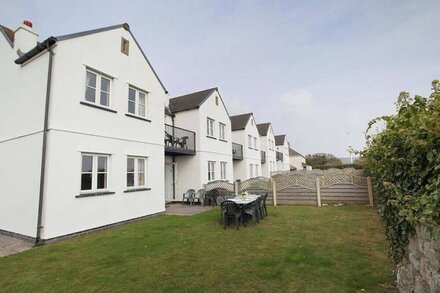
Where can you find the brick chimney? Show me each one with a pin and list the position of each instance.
(25, 38)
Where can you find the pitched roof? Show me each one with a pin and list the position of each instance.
(190, 101)
(292, 153)
(8, 33)
(263, 128)
(239, 122)
(279, 139)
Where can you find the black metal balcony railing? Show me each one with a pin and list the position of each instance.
(179, 141)
(237, 151)
(263, 157)
(279, 156)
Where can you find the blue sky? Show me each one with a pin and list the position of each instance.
(316, 69)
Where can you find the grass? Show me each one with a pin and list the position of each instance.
(294, 249)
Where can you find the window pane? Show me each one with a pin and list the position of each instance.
(86, 181)
(87, 164)
(130, 179)
(141, 179)
(91, 79)
(141, 104)
(90, 94)
(131, 95)
(102, 164)
(141, 110)
(130, 165)
(102, 181)
(105, 85)
(104, 99)
(141, 165)
(131, 107)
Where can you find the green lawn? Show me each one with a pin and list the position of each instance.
(294, 249)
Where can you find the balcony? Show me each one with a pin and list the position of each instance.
(237, 151)
(179, 141)
(279, 156)
(263, 157)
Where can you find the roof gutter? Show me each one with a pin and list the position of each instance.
(40, 47)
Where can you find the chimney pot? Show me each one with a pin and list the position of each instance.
(27, 23)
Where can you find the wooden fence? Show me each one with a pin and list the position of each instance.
(314, 187)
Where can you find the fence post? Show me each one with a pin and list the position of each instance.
(370, 191)
(274, 193)
(237, 187)
(318, 190)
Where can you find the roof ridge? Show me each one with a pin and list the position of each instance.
(209, 89)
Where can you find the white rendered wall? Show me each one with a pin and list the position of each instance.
(270, 164)
(251, 155)
(22, 99)
(192, 171)
(285, 164)
(77, 128)
(297, 162)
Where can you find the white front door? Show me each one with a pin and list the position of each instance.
(169, 182)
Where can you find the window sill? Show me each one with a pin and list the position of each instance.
(97, 106)
(94, 194)
(222, 140)
(211, 137)
(137, 117)
(137, 189)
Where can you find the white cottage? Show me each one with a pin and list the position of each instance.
(282, 148)
(246, 138)
(81, 132)
(267, 141)
(198, 142)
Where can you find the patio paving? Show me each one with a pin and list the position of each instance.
(10, 245)
(181, 209)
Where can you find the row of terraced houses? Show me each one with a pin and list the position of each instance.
(89, 136)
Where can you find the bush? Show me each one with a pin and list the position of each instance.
(404, 163)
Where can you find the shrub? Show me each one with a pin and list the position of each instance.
(404, 163)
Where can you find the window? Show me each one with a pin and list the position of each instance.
(137, 102)
(136, 172)
(97, 89)
(249, 141)
(252, 122)
(223, 170)
(255, 143)
(257, 170)
(211, 170)
(251, 170)
(210, 127)
(125, 46)
(94, 172)
(221, 130)
(216, 101)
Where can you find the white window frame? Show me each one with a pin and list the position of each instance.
(249, 141)
(137, 104)
(94, 173)
(97, 89)
(221, 131)
(211, 170)
(137, 172)
(223, 170)
(210, 127)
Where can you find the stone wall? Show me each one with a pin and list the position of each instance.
(420, 272)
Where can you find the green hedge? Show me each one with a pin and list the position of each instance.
(404, 162)
(343, 166)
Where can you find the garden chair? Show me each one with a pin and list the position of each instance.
(182, 142)
(264, 203)
(212, 196)
(231, 211)
(253, 210)
(200, 196)
(189, 196)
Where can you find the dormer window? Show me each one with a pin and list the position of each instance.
(125, 46)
